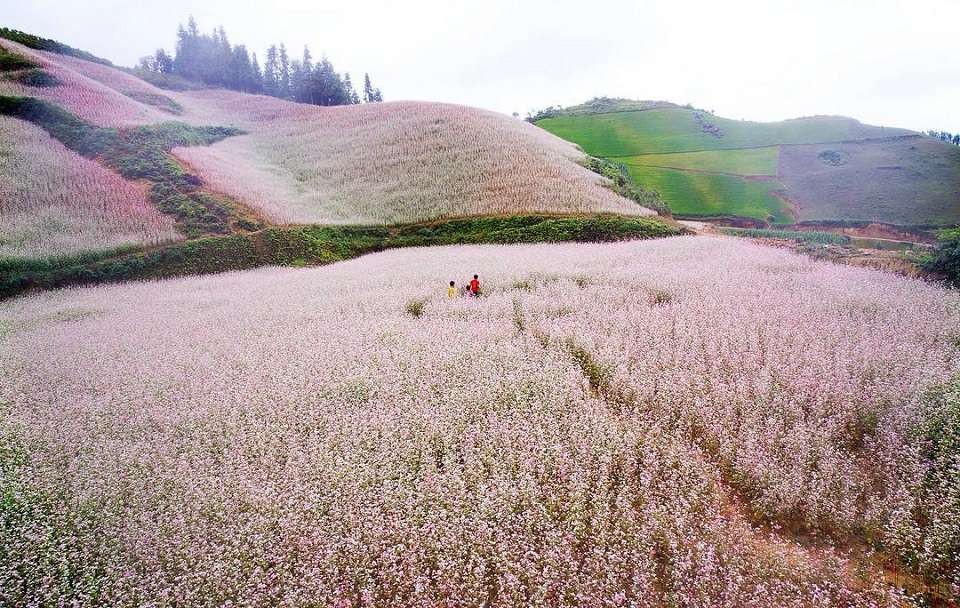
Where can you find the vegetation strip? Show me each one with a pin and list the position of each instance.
(144, 153)
(315, 245)
(801, 236)
(621, 183)
(46, 44)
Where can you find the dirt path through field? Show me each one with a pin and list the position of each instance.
(861, 565)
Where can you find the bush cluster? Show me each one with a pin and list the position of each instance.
(622, 184)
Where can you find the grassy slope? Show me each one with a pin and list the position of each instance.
(224, 237)
(886, 177)
(676, 130)
(749, 161)
(141, 153)
(696, 194)
(876, 180)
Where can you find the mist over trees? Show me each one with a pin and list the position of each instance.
(212, 60)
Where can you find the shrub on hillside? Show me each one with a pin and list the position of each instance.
(622, 184)
(946, 258)
(36, 78)
(10, 62)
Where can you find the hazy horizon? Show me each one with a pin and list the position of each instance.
(885, 63)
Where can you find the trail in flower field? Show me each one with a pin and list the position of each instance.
(296, 436)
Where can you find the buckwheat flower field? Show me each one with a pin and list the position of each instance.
(377, 163)
(390, 162)
(634, 424)
(82, 92)
(54, 202)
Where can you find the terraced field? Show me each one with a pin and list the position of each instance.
(808, 169)
(696, 193)
(748, 161)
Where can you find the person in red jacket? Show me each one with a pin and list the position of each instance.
(475, 286)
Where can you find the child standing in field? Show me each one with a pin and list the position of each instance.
(475, 286)
(452, 290)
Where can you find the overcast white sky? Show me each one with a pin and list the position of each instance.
(886, 62)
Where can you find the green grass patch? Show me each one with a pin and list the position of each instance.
(46, 44)
(35, 77)
(800, 236)
(144, 153)
(662, 130)
(883, 244)
(161, 102)
(315, 245)
(10, 62)
(748, 161)
(713, 195)
(168, 82)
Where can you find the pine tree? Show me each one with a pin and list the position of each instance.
(301, 78)
(185, 62)
(307, 62)
(163, 62)
(350, 90)
(299, 82)
(256, 75)
(283, 78)
(271, 84)
(210, 58)
(368, 91)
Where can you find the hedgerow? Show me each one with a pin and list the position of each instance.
(300, 245)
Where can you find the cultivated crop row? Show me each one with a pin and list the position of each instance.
(636, 424)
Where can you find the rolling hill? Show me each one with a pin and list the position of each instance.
(814, 169)
(175, 165)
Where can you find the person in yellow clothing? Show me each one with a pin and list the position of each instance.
(452, 290)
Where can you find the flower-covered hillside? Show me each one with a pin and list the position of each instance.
(54, 202)
(377, 163)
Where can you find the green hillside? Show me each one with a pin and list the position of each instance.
(696, 194)
(663, 130)
(820, 168)
(748, 161)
